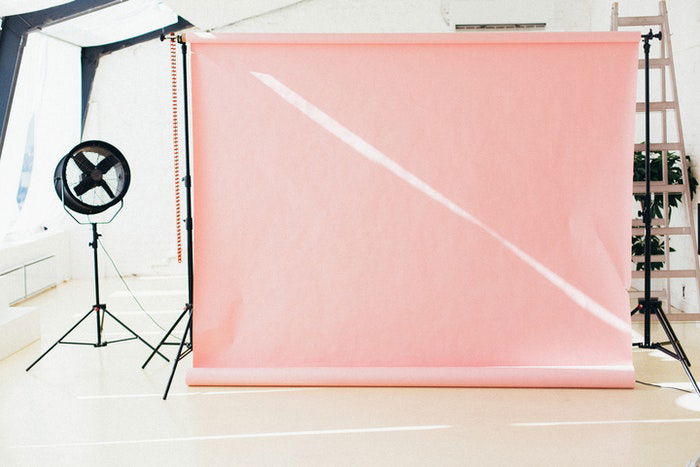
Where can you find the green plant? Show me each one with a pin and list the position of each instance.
(675, 177)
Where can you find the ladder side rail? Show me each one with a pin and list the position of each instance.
(664, 158)
(682, 154)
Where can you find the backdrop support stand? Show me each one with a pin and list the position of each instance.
(185, 344)
(651, 305)
(100, 310)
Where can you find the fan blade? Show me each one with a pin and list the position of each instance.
(106, 164)
(106, 188)
(84, 186)
(83, 163)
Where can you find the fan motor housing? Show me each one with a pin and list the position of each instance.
(92, 177)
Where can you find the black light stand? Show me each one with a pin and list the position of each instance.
(185, 344)
(100, 310)
(651, 305)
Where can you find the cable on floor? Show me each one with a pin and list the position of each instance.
(662, 387)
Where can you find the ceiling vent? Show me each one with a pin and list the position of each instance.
(501, 27)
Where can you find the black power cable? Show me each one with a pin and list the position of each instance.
(663, 387)
(133, 296)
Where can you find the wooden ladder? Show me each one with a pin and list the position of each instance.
(668, 104)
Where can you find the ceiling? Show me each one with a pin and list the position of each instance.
(115, 23)
(212, 14)
(131, 18)
(17, 7)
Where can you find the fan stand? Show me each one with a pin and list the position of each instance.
(100, 309)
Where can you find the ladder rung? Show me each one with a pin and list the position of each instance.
(654, 258)
(663, 231)
(659, 147)
(639, 188)
(640, 293)
(666, 274)
(654, 222)
(656, 106)
(640, 20)
(656, 63)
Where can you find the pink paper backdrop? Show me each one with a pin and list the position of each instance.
(443, 210)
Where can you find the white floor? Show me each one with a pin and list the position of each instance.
(86, 406)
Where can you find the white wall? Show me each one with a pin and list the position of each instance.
(130, 108)
(684, 18)
(359, 16)
(558, 15)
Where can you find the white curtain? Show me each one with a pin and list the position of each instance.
(44, 124)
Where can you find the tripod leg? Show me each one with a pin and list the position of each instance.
(177, 358)
(635, 310)
(682, 358)
(189, 307)
(165, 337)
(59, 340)
(133, 333)
(666, 325)
(100, 324)
(99, 327)
(691, 378)
(683, 362)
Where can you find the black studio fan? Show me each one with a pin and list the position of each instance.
(92, 177)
